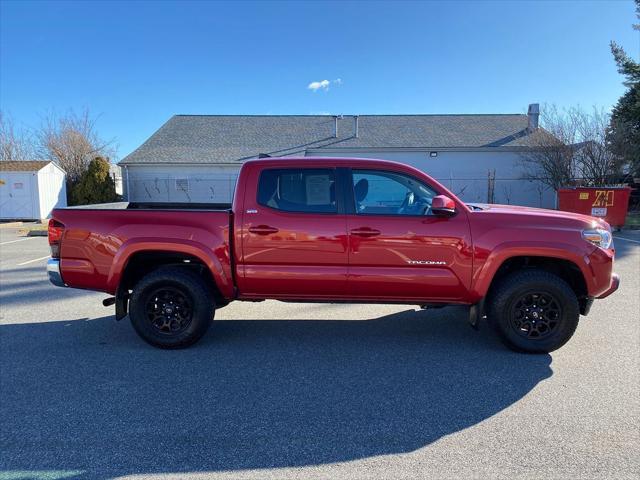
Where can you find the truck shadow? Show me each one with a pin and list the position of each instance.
(87, 396)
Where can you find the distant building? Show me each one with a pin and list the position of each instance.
(196, 158)
(116, 175)
(29, 190)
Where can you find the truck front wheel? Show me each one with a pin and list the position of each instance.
(533, 311)
(171, 307)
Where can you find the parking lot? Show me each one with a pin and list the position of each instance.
(281, 390)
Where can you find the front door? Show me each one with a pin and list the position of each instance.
(294, 236)
(398, 249)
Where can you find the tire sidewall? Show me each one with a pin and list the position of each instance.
(513, 289)
(192, 287)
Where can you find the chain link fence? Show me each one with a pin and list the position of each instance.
(214, 188)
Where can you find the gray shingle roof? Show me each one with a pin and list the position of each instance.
(233, 138)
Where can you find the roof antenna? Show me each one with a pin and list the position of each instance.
(264, 155)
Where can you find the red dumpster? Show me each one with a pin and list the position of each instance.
(610, 203)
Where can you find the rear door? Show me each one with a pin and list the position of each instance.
(294, 239)
(398, 249)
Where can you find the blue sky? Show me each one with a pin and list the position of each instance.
(137, 63)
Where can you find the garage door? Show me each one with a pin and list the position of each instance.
(16, 199)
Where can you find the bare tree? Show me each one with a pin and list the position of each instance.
(14, 144)
(72, 142)
(549, 159)
(570, 149)
(595, 162)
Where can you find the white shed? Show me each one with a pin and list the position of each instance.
(30, 190)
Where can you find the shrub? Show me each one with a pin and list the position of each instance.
(95, 185)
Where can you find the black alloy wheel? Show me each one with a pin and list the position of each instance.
(533, 310)
(172, 307)
(170, 310)
(535, 315)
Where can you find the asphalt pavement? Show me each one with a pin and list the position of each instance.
(282, 391)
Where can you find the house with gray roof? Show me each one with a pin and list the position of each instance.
(196, 158)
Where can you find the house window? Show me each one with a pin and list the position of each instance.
(182, 184)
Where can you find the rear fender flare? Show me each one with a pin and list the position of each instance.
(223, 280)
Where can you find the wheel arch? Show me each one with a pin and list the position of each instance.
(564, 260)
(134, 261)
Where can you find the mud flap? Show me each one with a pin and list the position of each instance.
(476, 312)
(122, 303)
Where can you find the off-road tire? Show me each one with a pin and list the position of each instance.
(191, 295)
(507, 297)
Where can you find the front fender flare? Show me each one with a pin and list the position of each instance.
(483, 276)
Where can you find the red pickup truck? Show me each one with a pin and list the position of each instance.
(336, 230)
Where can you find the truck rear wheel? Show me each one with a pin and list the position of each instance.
(171, 307)
(533, 311)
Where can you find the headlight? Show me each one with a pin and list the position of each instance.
(598, 236)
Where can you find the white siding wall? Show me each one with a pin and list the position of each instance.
(116, 174)
(180, 183)
(466, 174)
(52, 190)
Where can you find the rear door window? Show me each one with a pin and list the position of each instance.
(303, 190)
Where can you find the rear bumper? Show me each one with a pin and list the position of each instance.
(613, 286)
(53, 270)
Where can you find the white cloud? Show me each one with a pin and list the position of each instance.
(323, 84)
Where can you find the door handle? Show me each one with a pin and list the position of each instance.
(365, 232)
(263, 230)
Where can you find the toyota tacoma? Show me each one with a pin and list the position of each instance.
(336, 230)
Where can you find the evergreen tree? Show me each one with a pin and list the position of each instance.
(624, 131)
(95, 185)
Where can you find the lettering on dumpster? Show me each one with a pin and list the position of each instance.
(604, 198)
(584, 195)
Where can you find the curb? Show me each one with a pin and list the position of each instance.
(37, 233)
(11, 224)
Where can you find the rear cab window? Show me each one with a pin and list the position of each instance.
(302, 190)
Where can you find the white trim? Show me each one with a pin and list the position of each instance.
(418, 149)
(185, 164)
(58, 167)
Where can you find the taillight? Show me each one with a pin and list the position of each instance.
(55, 231)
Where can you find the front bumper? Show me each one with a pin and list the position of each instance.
(613, 286)
(53, 270)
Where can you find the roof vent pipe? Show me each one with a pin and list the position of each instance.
(355, 126)
(534, 116)
(335, 126)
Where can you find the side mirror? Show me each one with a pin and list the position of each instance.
(443, 206)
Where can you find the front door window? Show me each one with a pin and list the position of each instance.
(379, 192)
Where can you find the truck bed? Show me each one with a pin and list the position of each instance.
(99, 241)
